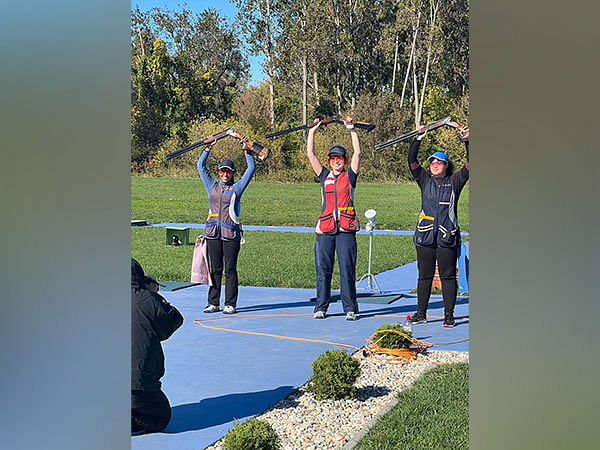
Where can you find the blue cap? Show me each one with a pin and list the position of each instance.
(337, 150)
(440, 156)
(227, 164)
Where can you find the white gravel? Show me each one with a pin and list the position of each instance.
(302, 422)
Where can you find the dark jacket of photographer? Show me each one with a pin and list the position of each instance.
(153, 320)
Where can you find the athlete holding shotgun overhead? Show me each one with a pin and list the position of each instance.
(338, 223)
(437, 236)
(223, 230)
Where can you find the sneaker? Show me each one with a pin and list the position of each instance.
(418, 318)
(350, 315)
(319, 315)
(210, 309)
(448, 320)
(229, 309)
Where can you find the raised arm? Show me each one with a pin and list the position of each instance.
(243, 182)
(310, 148)
(464, 172)
(355, 163)
(413, 163)
(203, 171)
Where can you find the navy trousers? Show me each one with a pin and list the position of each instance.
(326, 246)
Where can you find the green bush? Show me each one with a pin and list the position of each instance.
(334, 375)
(391, 339)
(254, 434)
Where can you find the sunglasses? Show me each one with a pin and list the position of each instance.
(437, 161)
(336, 158)
(225, 171)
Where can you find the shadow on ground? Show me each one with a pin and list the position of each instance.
(218, 410)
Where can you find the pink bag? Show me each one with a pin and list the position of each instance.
(200, 273)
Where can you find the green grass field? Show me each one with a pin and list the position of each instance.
(272, 258)
(185, 200)
(267, 258)
(432, 414)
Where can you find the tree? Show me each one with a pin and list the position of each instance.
(259, 23)
(195, 70)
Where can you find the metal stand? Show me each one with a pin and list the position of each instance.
(369, 276)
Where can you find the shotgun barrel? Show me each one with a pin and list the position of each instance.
(206, 141)
(432, 126)
(360, 125)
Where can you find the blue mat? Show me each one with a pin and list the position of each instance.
(213, 376)
(286, 229)
(369, 297)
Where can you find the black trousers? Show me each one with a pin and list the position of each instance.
(446, 258)
(150, 411)
(220, 251)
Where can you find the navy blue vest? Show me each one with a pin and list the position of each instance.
(222, 221)
(438, 224)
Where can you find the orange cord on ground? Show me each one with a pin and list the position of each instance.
(399, 356)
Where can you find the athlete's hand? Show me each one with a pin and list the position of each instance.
(314, 125)
(348, 123)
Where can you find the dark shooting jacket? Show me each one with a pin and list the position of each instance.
(438, 223)
(153, 320)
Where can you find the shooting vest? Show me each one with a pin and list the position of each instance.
(337, 213)
(222, 221)
(437, 225)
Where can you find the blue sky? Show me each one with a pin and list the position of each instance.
(227, 8)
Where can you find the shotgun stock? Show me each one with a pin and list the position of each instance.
(361, 125)
(254, 148)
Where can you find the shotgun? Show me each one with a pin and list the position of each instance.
(253, 148)
(432, 126)
(337, 119)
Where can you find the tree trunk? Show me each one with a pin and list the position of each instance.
(434, 9)
(412, 56)
(266, 18)
(304, 93)
(316, 82)
(338, 74)
(395, 63)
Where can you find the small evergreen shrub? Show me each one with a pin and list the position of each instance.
(254, 434)
(334, 375)
(392, 340)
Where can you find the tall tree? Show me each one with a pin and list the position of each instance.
(259, 22)
(206, 72)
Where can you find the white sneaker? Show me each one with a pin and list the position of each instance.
(350, 315)
(229, 309)
(210, 309)
(319, 315)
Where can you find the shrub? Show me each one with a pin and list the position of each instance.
(391, 339)
(254, 434)
(334, 375)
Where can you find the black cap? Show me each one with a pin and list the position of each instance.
(337, 150)
(227, 164)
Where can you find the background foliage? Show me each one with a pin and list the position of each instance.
(398, 64)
